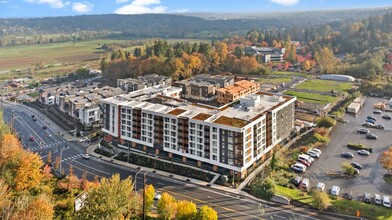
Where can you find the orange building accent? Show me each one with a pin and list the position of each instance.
(239, 89)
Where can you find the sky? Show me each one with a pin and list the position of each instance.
(46, 8)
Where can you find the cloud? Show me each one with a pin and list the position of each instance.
(183, 10)
(142, 7)
(51, 3)
(285, 2)
(82, 7)
(121, 1)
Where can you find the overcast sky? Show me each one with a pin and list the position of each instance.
(44, 8)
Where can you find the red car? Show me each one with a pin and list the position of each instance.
(304, 162)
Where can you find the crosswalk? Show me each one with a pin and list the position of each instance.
(71, 158)
(41, 147)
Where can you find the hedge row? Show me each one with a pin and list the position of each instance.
(103, 152)
(360, 147)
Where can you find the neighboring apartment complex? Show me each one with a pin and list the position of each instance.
(230, 138)
(143, 82)
(235, 92)
(273, 54)
(203, 87)
(81, 103)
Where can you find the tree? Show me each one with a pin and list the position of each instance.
(56, 163)
(28, 172)
(49, 158)
(167, 206)
(186, 210)
(326, 60)
(386, 159)
(113, 199)
(321, 200)
(306, 65)
(238, 52)
(149, 199)
(325, 122)
(264, 189)
(206, 213)
(348, 169)
(38, 208)
(9, 148)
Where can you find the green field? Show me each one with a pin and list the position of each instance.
(312, 97)
(275, 81)
(291, 74)
(324, 85)
(294, 194)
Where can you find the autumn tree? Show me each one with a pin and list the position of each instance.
(186, 210)
(326, 60)
(167, 206)
(149, 198)
(56, 164)
(9, 148)
(321, 200)
(206, 213)
(28, 172)
(348, 169)
(37, 208)
(386, 159)
(113, 199)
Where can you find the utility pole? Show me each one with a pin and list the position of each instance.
(144, 196)
(135, 181)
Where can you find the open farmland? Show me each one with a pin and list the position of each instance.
(312, 97)
(324, 85)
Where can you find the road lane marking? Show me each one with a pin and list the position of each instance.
(76, 167)
(159, 183)
(212, 204)
(109, 174)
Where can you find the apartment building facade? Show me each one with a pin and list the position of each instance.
(230, 138)
(269, 53)
(235, 92)
(142, 82)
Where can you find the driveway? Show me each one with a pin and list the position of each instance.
(371, 176)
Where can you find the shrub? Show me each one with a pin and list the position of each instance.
(303, 149)
(321, 200)
(263, 189)
(325, 122)
(103, 152)
(322, 131)
(348, 169)
(319, 138)
(359, 147)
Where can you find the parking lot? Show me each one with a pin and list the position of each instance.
(370, 178)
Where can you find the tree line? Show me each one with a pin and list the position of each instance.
(30, 190)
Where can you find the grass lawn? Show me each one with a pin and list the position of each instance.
(290, 74)
(294, 194)
(275, 81)
(370, 211)
(388, 178)
(324, 85)
(312, 97)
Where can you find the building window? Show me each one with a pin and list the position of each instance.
(214, 129)
(214, 157)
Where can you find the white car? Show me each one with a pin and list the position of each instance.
(86, 156)
(157, 196)
(335, 190)
(299, 167)
(377, 199)
(305, 183)
(386, 201)
(363, 152)
(305, 157)
(376, 111)
(320, 186)
(316, 150)
(313, 154)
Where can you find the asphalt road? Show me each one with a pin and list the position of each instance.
(371, 176)
(228, 206)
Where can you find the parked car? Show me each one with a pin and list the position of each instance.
(298, 167)
(335, 190)
(305, 157)
(347, 155)
(304, 162)
(363, 152)
(45, 127)
(320, 186)
(356, 172)
(377, 111)
(362, 130)
(371, 136)
(367, 198)
(34, 119)
(368, 125)
(371, 121)
(371, 117)
(388, 117)
(157, 196)
(377, 199)
(305, 183)
(317, 150)
(313, 154)
(297, 180)
(356, 165)
(386, 201)
(31, 138)
(379, 126)
(86, 156)
(32, 116)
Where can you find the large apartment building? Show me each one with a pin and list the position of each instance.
(270, 53)
(235, 92)
(142, 82)
(233, 137)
